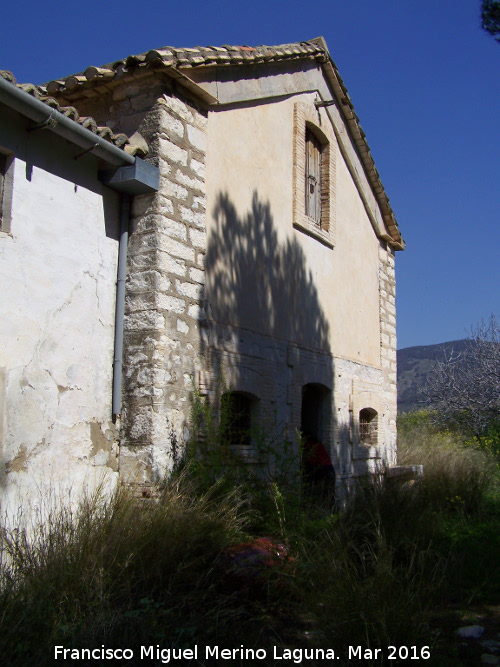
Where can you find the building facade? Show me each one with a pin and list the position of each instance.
(265, 257)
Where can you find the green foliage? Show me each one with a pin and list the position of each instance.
(457, 472)
(127, 572)
(118, 569)
(490, 17)
(267, 469)
(488, 442)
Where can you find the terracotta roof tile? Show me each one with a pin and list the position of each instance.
(198, 56)
(42, 94)
(94, 80)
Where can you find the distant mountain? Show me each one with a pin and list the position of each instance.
(414, 364)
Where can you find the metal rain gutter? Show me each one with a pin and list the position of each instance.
(131, 176)
(44, 116)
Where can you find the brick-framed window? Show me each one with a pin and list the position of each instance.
(314, 173)
(6, 169)
(368, 427)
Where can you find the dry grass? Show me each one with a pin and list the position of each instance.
(127, 572)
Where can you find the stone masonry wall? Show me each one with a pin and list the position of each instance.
(275, 372)
(167, 337)
(164, 294)
(388, 341)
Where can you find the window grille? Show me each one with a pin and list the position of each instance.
(368, 427)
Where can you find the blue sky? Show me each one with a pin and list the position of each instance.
(425, 82)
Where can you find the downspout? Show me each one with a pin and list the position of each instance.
(137, 179)
(120, 305)
(130, 176)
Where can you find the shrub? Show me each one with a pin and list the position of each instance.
(120, 569)
(457, 475)
(372, 573)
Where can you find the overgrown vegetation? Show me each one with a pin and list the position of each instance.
(398, 565)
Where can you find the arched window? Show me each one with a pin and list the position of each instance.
(237, 415)
(368, 427)
(314, 173)
(315, 411)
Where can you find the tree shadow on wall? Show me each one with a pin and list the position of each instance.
(257, 283)
(265, 331)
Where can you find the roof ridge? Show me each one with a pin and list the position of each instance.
(186, 57)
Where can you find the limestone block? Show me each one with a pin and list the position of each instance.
(197, 218)
(182, 327)
(140, 302)
(198, 238)
(190, 290)
(188, 181)
(171, 126)
(165, 262)
(196, 312)
(173, 190)
(147, 280)
(173, 153)
(180, 108)
(197, 275)
(200, 203)
(165, 168)
(144, 320)
(197, 138)
(174, 229)
(198, 168)
(142, 205)
(170, 303)
(166, 206)
(176, 248)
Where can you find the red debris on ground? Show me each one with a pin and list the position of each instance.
(258, 553)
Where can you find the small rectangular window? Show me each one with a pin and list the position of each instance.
(368, 427)
(236, 409)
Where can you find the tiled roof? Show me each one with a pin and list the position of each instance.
(96, 80)
(40, 93)
(170, 57)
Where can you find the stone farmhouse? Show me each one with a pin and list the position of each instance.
(174, 218)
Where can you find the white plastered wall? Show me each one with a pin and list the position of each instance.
(58, 276)
(250, 152)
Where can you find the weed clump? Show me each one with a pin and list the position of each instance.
(170, 570)
(122, 570)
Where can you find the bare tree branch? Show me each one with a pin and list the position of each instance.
(464, 389)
